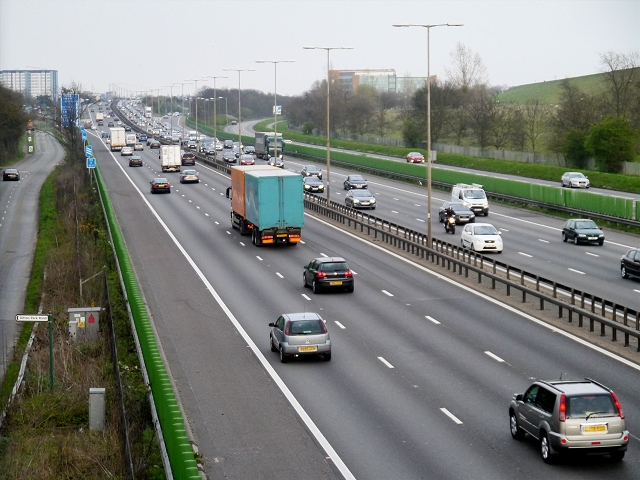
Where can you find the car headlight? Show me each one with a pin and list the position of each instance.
(485, 204)
(581, 235)
(355, 200)
(373, 200)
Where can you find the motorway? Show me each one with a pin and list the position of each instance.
(423, 368)
(18, 234)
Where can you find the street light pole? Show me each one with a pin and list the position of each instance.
(215, 114)
(275, 101)
(226, 112)
(429, 161)
(328, 49)
(239, 104)
(185, 121)
(171, 87)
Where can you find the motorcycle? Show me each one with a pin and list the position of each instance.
(450, 224)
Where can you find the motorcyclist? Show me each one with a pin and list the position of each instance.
(450, 213)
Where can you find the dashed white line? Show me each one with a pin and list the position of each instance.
(228, 232)
(259, 257)
(396, 198)
(525, 254)
(635, 290)
(324, 255)
(340, 325)
(305, 296)
(385, 362)
(576, 271)
(543, 241)
(592, 254)
(420, 220)
(217, 223)
(451, 416)
(431, 319)
(197, 207)
(495, 357)
(387, 293)
(207, 214)
(242, 243)
(279, 274)
(504, 229)
(393, 211)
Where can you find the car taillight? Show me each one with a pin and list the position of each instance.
(617, 404)
(562, 411)
(324, 327)
(348, 273)
(321, 275)
(286, 328)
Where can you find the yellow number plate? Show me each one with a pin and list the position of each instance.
(308, 349)
(335, 283)
(594, 429)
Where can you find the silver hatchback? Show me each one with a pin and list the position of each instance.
(295, 334)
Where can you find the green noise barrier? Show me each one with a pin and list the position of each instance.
(172, 422)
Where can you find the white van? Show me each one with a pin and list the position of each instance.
(471, 195)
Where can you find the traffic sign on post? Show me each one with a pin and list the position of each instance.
(32, 318)
(84, 135)
(91, 162)
(88, 151)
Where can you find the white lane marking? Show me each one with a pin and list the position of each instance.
(495, 357)
(305, 296)
(279, 274)
(259, 257)
(324, 255)
(354, 272)
(217, 223)
(543, 241)
(396, 198)
(207, 214)
(242, 243)
(228, 232)
(393, 211)
(340, 325)
(451, 416)
(431, 319)
(489, 299)
(417, 205)
(190, 201)
(420, 220)
(387, 293)
(525, 254)
(197, 207)
(302, 242)
(576, 271)
(385, 362)
(504, 229)
(636, 290)
(592, 254)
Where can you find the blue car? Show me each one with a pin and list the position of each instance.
(142, 138)
(105, 134)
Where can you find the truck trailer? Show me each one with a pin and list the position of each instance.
(267, 203)
(266, 146)
(170, 158)
(118, 138)
(100, 118)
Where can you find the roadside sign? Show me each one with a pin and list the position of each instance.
(277, 110)
(32, 318)
(88, 151)
(91, 162)
(82, 128)
(84, 135)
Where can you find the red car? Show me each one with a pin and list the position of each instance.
(247, 160)
(415, 157)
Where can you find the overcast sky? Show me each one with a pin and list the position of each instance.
(148, 44)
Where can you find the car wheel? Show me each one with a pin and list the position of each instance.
(564, 237)
(562, 184)
(623, 272)
(327, 358)
(600, 242)
(304, 281)
(516, 433)
(472, 247)
(273, 347)
(616, 456)
(351, 288)
(575, 240)
(315, 287)
(545, 448)
(283, 357)
(462, 244)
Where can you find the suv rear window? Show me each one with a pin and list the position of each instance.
(584, 405)
(306, 327)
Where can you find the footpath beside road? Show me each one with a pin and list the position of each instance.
(18, 235)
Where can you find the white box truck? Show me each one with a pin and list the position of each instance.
(170, 158)
(118, 138)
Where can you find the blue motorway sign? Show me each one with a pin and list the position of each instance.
(88, 151)
(69, 108)
(84, 135)
(91, 162)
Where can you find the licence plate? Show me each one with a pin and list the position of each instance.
(592, 238)
(311, 348)
(335, 283)
(594, 429)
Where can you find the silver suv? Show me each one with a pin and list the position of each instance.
(570, 416)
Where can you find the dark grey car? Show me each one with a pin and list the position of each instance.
(355, 181)
(360, 199)
(328, 273)
(462, 212)
(295, 334)
(630, 263)
(582, 230)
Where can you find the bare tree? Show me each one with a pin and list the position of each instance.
(382, 121)
(468, 70)
(536, 118)
(362, 106)
(622, 74)
(481, 114)
(501, 126)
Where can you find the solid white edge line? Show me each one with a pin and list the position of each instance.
(451, 416)
(385, 362)
(494, 356)
(304, 416)
(503, 305)
(431, 319)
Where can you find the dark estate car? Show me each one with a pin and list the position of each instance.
(11, 174)
(328, 273)
(582, 230)
(160, 184)
(313, 184)
(630, 263)
(295, 334)
(188, 158)
(135, 161)
(229, 157)
(462, 212)
(310, 171)
(250, 149)
(228, 144)
(104, 135)
(154, 143)
(355, 181)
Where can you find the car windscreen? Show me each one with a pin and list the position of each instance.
(584, 405)
(475, 194)
(485, 230)
(360, 193)
(306, 327)
(586, 224)
(459, 208)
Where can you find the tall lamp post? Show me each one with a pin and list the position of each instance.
(275, 100)
(239, 104)
(171, 87)
(195, 94)
(328, 49)
(215, 114)
(182, 94)
(226, 111)
(428, 27)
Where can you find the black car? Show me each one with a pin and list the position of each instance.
(127, 128)
(110, 124)
(11, 174)
(250, 149)
(229, 157)
(313, 184)
(311, 170)
(630, 263)
(582, 230)
(154, 143)
(105, 135)
(135, 161)
(188, 158)
(327, 273)
(227, 144)
(355, 181)
(462, 212)
(160, 184)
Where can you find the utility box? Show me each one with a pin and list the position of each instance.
(84, 324)
(96, 408)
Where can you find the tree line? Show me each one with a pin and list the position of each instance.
(13, 123)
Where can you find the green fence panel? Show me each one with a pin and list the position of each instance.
(616, 206)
